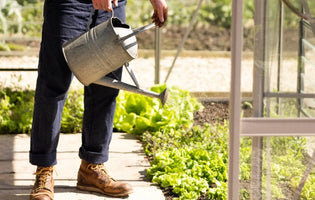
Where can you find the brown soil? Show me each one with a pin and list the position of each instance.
(206, 37)
(210, 38)
(213, 112)
(217, 112)
(200, 38)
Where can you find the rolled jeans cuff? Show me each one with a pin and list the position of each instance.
(93, 157)
(43, 160)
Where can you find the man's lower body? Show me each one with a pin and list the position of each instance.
(64, 20)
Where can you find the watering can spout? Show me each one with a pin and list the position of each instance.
(113, 83)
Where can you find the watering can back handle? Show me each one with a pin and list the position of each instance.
(136, 31)
(132, 75)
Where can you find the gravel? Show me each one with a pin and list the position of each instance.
(189, 73)
(194, 74)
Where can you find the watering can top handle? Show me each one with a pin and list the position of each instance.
(137, 30)
(90, 18)
(134, 32)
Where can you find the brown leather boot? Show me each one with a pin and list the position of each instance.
(43, 188)
(94, 177)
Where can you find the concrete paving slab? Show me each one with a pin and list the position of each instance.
(127, 163)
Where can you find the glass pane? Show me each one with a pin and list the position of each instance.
(287, 168)
(274, 168)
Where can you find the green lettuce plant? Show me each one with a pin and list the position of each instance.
(16, 110)
(191, 162)
(137, 113)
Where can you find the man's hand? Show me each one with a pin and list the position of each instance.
(104, 4)
(159, 16)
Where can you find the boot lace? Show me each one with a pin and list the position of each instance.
(100, 168)
(43, 174)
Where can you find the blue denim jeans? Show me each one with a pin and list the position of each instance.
(64, 20)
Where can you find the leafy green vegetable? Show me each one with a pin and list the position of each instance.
(71, 121)
(137, 113)
(192, 162)
(16, 111)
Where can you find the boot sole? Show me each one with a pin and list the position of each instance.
(94, 189)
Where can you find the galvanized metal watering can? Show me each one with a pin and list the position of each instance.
(102, 50)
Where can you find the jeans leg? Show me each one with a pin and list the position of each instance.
(49, 100)
(63, 20)
(100, 105)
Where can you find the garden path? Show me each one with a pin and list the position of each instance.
(127, 163)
